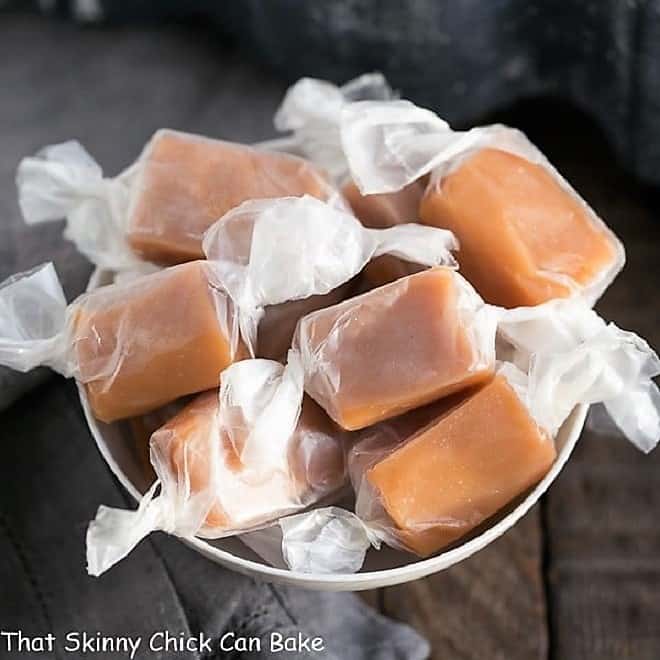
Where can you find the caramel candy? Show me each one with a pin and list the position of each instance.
(392, 349)
(143, 344)
(187, 182)
(524, 239)
(462, 468)
(382, 211)
(236, 501)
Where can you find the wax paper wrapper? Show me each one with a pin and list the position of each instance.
(158, 209)
(390, 145)
(224, 468)
(311, 111)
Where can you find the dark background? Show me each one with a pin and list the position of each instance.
(463, 58)
(579, 577)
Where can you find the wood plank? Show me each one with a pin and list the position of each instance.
(604, 550)
(491, 606)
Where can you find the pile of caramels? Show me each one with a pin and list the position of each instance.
(315, 333)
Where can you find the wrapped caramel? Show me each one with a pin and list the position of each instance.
(222, 470)
(526, 236)
(135, 346)
(397, 347)
(278, 324)
(158, 209)
(441, 480)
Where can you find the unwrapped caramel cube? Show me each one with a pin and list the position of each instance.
(394, 348)
(481, 453)
(143, 344)
(187, 182)
(381, 211)
(232, 498)
(524, 238)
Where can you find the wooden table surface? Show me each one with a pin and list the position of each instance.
(579, 577)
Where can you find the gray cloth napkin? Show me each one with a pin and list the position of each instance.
(52, 478)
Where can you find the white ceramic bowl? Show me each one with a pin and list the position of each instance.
(383, 568)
